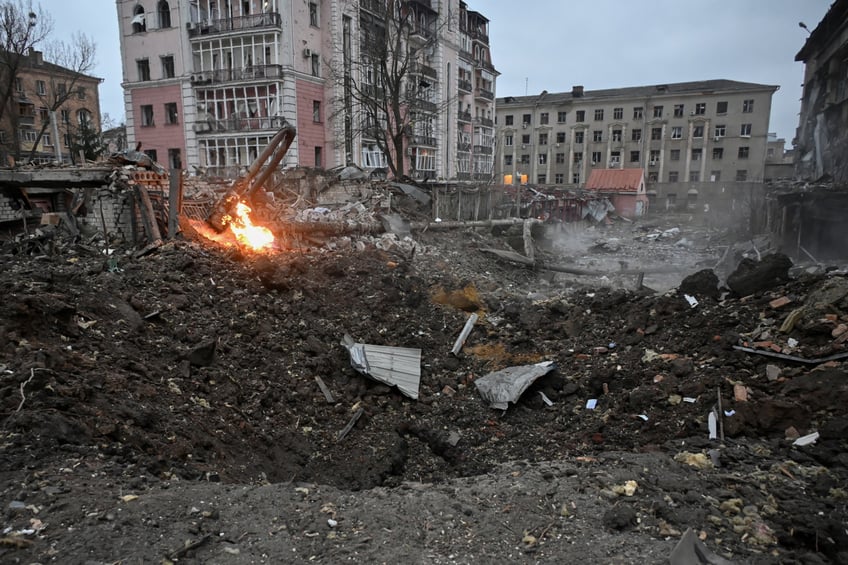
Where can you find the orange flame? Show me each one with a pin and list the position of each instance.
(255, 237)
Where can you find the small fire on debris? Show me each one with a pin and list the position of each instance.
(255, 237)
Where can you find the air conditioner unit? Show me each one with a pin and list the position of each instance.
(191, 26)
(307, 53)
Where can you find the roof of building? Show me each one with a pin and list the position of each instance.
(672, 89)
(35, 61)
(835, 20)
(619, 180)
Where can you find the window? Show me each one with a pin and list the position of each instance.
(575, 178)
(653, 176)
(721, 107)
(543, 158)
(678, 110)
(580, 116)
(147, 116)
(634, 156)
(674, 154)
(658, 111)
(597, 136)
(40, 88)
(81, 93)
(741, 175)
(748, 106)
(508, 120)
(541, 179)
(152, 154)
(599, 115)
(559, 178)
(543, 118)
(718, 152)
(578, 157)
(164, 13)
(318, 157)
(770, 153)
(171, 113)
(45, 139)
(700, 108)
(618, 113)
(66, 116)
(636, 135)
(83, 117)
(672, 177)
(677, 132)
(578, 136)
(655, 156)
(694, 176)
(543, 139)
(525, 139)
(175, 159)
(508, 140)
(168, 67)
(44, 114)
(698, 131)
(720, 131)
(138, 22)
(316, 65)
(313, 14)
(745, 130)
(61, 89)
(615, 158)
(507, 160)
(637, 112)
(560, 158)
(66, 139)
(616, 135)
(561, 117)
(316, 111)
(743, 152)
(525, 159)
(696, 153)
(526, 119)
(715, 176)
(143, 66)
(560, 137)
(656, 133)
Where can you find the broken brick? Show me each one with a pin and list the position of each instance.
(780, 302)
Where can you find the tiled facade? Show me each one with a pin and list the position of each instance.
(235, 70)
(707, 131)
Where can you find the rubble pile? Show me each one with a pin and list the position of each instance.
(131, 386)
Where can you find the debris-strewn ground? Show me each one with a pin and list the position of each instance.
(165, 408)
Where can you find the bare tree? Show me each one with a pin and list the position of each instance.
(22, 26)
(76, 60)
(388, 89)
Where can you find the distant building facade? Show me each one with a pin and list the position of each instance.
(35, 87)
(679, 134)
(208, 83)
(821, 141)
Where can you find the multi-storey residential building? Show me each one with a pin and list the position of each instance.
(208, 82)
(705, 131)
(38, 86)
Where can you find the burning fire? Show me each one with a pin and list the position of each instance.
(255, 237)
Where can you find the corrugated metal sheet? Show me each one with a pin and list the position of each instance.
(394, 366)
(615, 180)
(507, 385)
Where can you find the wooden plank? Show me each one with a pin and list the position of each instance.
(350, 424)
(326, 391)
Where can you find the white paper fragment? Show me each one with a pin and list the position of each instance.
(729, 413)
(691, 300)
(792, 342)
(591, 403)
(545, 398)
(713, 425)
(644, 417)
(689, 399)
(808, 439)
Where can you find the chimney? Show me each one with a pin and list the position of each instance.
(577, 91)
(37, 57)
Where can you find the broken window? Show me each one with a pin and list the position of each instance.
(720, 131)
(748, 106)
(168, 67)
(658, 111)
(580, 115)
(655, 156)
(636, 135)
(745, 130)
(175, 160)
(678, 110)
(138, 23)
(597, 136)
(316, 111)
(313, 14)
(171, 113)
(525, 139)
(672, 177)
(526, 119)
(543, 158)
(599, 115)
(653, 176)
(316, 65)
(696, 153)
(715, 176)
(616, 135)
(596, 157)
(743, 152)
(694, 176)
(507, 160)
(700, 108)
(143, 66)
(541, 179)
(560, 137)
(674, 155)
(618, 113)
(508, 140)
(318, 157)
(508, 120)
(698, 131)
(543, 118)
(152, 154)
(615, 158)
(525, 159)
(637, 112)
(83, 117)
(578, 136)
(561, 117)
(559, 178)
(543, 139)
(147, 116)
(164, 12)
(81, 93)
(721, 107)
(741, 175)
(718, 152)
(66, 116)
(677, 132)
(656, 133)
(634, 156)
(40, 88)
(575, 178)
(578, 157)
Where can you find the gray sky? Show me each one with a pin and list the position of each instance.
(554, 44)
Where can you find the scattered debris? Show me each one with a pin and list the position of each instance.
(691, 551)
(463, 335)
(507, 385)
(352, 422)
(395, 366)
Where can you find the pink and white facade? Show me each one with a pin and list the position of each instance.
(207, 83)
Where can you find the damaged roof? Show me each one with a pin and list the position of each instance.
(619, 180)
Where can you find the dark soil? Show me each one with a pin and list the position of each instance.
(187, 378)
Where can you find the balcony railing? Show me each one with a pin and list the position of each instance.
(213, 125)
(484, 94)
(424, 105)
(426, 71)
(483, 149)
(373, 6)
(237, 23)
(423, 140)
(463, 147)
(486, 122)
(255, 72)
(464, 116)
(465, 85)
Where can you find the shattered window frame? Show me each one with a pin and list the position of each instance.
(721, 107)
(597, 136)
(658, 111)
(599, 115)
(718, 153)
(744, 152)
(146, 112)
(673, 176)
(748, 106)
(638, 112)
(579, 136)
(580, 115)
(636, 134)
(656, 134)
(171, 114)
(678, 110)
(561, 117)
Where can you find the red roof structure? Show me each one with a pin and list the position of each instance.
(616, 180)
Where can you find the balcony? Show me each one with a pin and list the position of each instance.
(426, 71)
(464, 117)
(485, 122)
(465, 86)
(483, 149)
(484, 94)
(255, 72)
(232, 124)
(424, 140)
(374, 6)
(238, 23)
(424, 105)
(26, 121)
(463, 147)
